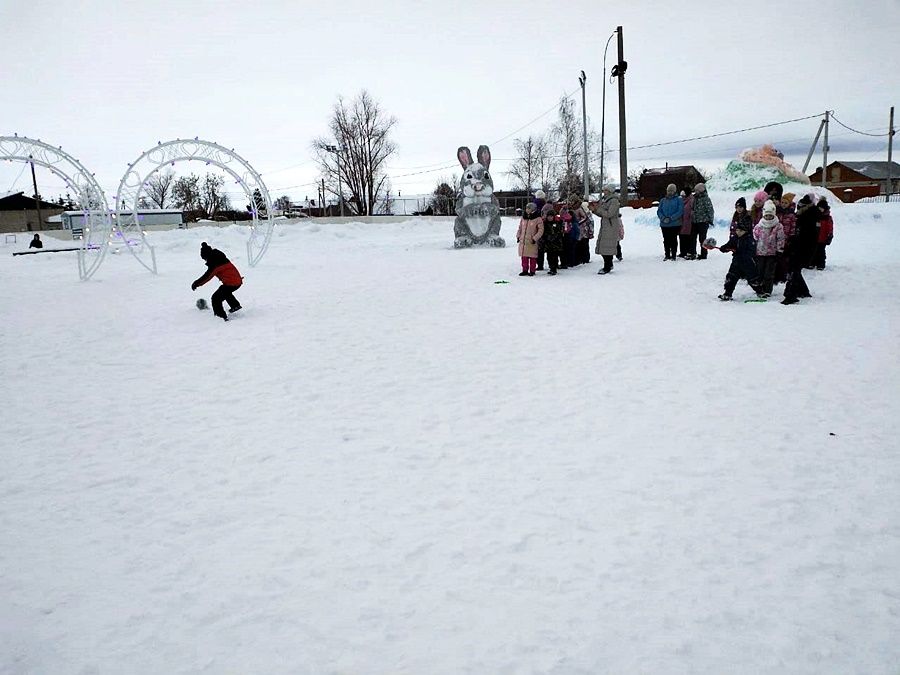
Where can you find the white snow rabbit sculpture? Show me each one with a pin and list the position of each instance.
(477, 209)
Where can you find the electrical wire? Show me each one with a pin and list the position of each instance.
(857, 131)
(546, 112)
(13, 184)
(723, 133)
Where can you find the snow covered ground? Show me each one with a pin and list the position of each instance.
(387, 463)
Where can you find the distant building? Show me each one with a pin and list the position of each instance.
(18, 213)
(74, 220)
(850, 181)
(652, 182)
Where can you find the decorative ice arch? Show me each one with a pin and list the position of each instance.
(98, 224)
(131, 188)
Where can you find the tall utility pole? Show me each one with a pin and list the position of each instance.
(890, 177)
(619, 72)
(825, 151)
(582, 80)
(812, 148)
(337, 152)
(37, 198)
(603, 116)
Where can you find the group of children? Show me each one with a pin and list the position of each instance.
(774, 241)
(563, 236)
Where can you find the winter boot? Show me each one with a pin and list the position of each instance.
(725, 297)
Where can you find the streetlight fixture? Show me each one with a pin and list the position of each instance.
(603, 114)
(582, 80)
(337, 151)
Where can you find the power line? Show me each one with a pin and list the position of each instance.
(855, 130)
(723, 133)
(546, 112)
(12, 185)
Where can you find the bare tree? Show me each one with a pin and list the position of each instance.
(283, 203)
(567, 138)
(361, 132)
(546, 165)
(160, 188)
(524, 170)
(443, 199)
(212, 195)
(186, 193)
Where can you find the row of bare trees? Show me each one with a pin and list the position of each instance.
(554, 161)
(205, 196)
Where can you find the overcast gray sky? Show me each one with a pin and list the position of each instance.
(106, 80)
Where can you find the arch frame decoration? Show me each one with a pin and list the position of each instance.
(98, 222)
(140, 171)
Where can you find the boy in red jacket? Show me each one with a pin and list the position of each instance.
(826, 233)
(218, 265)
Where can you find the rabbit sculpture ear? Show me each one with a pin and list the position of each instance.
(464, 155)
(484, 156)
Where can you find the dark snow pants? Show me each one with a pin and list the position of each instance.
(670, 241)
(553, 260)
(225, 293)
(819, 258)
(700, 230)
(742, 269)
(766, 265)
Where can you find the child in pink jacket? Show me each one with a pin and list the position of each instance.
(769, 235)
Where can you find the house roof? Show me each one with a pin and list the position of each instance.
(874, 170)
(17, 201)
(670, 169)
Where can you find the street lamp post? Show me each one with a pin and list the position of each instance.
(603, 114)
(337, 152)
(582, 80)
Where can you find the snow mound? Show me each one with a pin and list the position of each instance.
(755, 168)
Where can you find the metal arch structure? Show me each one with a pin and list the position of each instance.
(98, 223)
(131, 187)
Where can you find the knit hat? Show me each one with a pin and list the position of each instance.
(700, 188)
(769, 208)
(540, 194)
(760, 196)
(788, 197)
(823, 204)
(530, 207)
(805, 199)
(671, 189)
(205, 250)
(774, 189)
(740, 202)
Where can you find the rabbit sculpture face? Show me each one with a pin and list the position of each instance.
(476, 179)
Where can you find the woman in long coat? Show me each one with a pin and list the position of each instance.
(610, 228)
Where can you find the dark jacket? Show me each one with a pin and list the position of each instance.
(703, 211)
(744, 219)
(806, 234)
(553, 234)
(744, 261)
(218, 265)
(36, 243)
